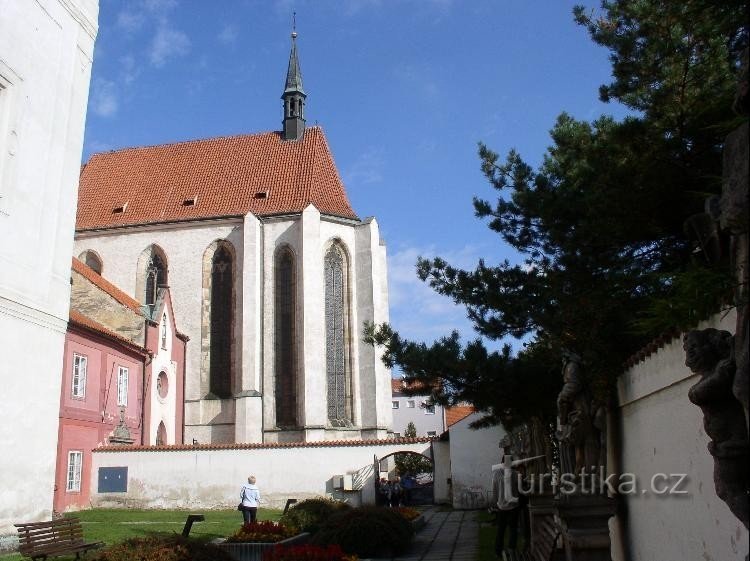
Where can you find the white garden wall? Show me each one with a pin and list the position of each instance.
(472, 455)
(206, 477)
(662, 432)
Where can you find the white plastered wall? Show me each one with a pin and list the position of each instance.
(472, 454)
(46, 50)
(662, 432)
(163, 409)
(205, 478)
(250, 417)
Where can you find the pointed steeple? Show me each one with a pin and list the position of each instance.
(294, 96)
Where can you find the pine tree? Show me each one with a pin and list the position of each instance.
(599, 223)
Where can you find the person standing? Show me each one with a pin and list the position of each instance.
(396, 492)
(505, 503)
(250, 499)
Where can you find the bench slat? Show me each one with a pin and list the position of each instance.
(53, 538)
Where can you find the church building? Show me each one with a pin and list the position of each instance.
(273, 276)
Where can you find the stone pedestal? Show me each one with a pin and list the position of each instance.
(585, 526)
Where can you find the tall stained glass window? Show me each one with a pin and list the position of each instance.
(156, 274)
(286, 361)
(222, 274)
(336, 316)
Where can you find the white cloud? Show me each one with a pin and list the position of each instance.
(228, 35)
(129, 71)
(159, 6)
(103, 97)
(417, 311)
(130, 21)
(168, 43)
(367, 168)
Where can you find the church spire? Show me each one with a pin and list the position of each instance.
(294, 96)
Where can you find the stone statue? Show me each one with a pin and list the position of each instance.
(579, 437)
(710, 354)
(733, 219)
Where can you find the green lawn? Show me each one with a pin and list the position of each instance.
(115, 525)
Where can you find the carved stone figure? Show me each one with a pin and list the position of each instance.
(710, 354)
(579, 439)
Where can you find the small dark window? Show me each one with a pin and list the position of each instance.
(261, 195)
(189, 202)
(113, 480)
(119, 209)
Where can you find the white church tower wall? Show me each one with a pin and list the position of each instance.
(46, 50)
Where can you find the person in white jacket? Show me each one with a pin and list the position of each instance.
(505, 503)
(249, 500)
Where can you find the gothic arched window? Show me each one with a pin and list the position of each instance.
(284, 329)
(337, 352)
(156, 275)
(161, 435)
(221, 312)
(152, 273)
(92, 260)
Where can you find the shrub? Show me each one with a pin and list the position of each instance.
(367, 531)
(310, 514)
(161, 548)
(262, 532)
(307, 553)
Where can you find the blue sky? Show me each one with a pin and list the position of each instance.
(404, 90)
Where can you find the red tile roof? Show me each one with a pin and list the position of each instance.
(418, 388)
(78, 319)
(657, 343)
(95, 278)
(457, 413)
(226, 176)
(260, 445)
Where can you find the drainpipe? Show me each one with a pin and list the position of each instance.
(184, 367)
(143, 383)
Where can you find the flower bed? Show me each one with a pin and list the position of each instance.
(252, 540)
(262, 532)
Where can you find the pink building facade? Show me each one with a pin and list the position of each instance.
(122, 383)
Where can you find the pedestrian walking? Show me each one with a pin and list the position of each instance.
(249, 500)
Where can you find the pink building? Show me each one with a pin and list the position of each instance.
(122, 380)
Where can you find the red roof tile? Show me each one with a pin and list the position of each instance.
(457, 413)
(78, 319)
(415, 388)
(92, 276)
(224, 176)
(260, 445)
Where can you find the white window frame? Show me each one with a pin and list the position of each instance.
(428, 409)
(395, 404)
(410, 404)
(122, 386)
(75, 467)
(431, 433)
(78, 376)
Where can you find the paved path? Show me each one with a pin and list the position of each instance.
(447, 536)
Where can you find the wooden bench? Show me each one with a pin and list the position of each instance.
(63, 536)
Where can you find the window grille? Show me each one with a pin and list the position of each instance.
(78, 388)
(75, 461)
(164, 331)
(122, 386)
(336, 331)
